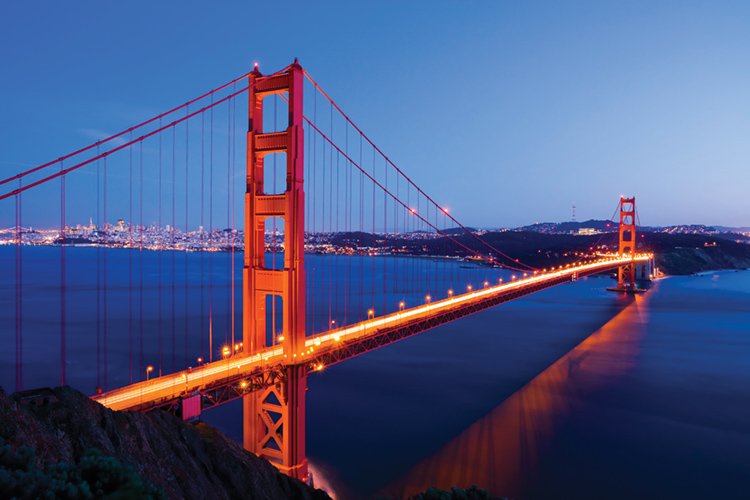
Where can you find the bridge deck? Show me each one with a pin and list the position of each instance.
(230, 378)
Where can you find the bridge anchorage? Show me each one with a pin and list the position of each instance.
(270, 372)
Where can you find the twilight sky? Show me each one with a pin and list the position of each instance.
(506, 112)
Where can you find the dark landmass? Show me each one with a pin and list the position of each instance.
(458, 230)
(604, 226)
(170, 457)
(675, 253)
(693, 253)
(566, 227)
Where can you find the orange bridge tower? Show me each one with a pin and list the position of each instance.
(626, 274)
(274, 417)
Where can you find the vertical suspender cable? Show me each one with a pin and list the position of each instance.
(330, 225)
(338, 212)
(396, 236)
(211, 236)
(230, 276)
(385, 238)
(374, 238)
(322, 231)
(306, 231)
(159, 247)
(361, 230)
(18, 316)
(307, 234)
(130, 262)
(186, 238)
(347, 224)
(62, 277)
(410, 270)
(140, 262)
(172, 249)
(445, 253)
(203, 246)
(313, 202)
(233, 140)
(98, 279)
(19, 290)
(104, 275)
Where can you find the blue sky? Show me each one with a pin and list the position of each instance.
(506, 112)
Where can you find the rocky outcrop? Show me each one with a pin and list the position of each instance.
(186, 460)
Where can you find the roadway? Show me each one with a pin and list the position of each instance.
(241, 371)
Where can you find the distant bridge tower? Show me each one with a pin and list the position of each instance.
(274, 417)
(626, 274)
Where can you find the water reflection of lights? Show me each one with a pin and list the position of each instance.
(499, 452)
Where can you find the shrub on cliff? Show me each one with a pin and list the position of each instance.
(94, 477)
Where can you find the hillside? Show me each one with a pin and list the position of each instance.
(676, 253)
(184, 460)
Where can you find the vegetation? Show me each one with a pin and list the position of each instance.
(53, 452)
(93, 477)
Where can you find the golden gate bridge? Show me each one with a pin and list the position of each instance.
(313, 182)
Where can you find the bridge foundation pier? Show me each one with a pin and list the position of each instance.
(274, 423)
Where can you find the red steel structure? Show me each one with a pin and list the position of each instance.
(270, 372)
(626, 274)
(274, 418)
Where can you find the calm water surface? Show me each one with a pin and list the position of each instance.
(573, 392)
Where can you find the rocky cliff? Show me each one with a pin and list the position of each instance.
(185, 460)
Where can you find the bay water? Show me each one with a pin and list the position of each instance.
(572, 392)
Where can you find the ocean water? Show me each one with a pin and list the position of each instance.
(573, 392)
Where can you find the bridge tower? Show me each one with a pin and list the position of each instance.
(274, 417)
(626, 274)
